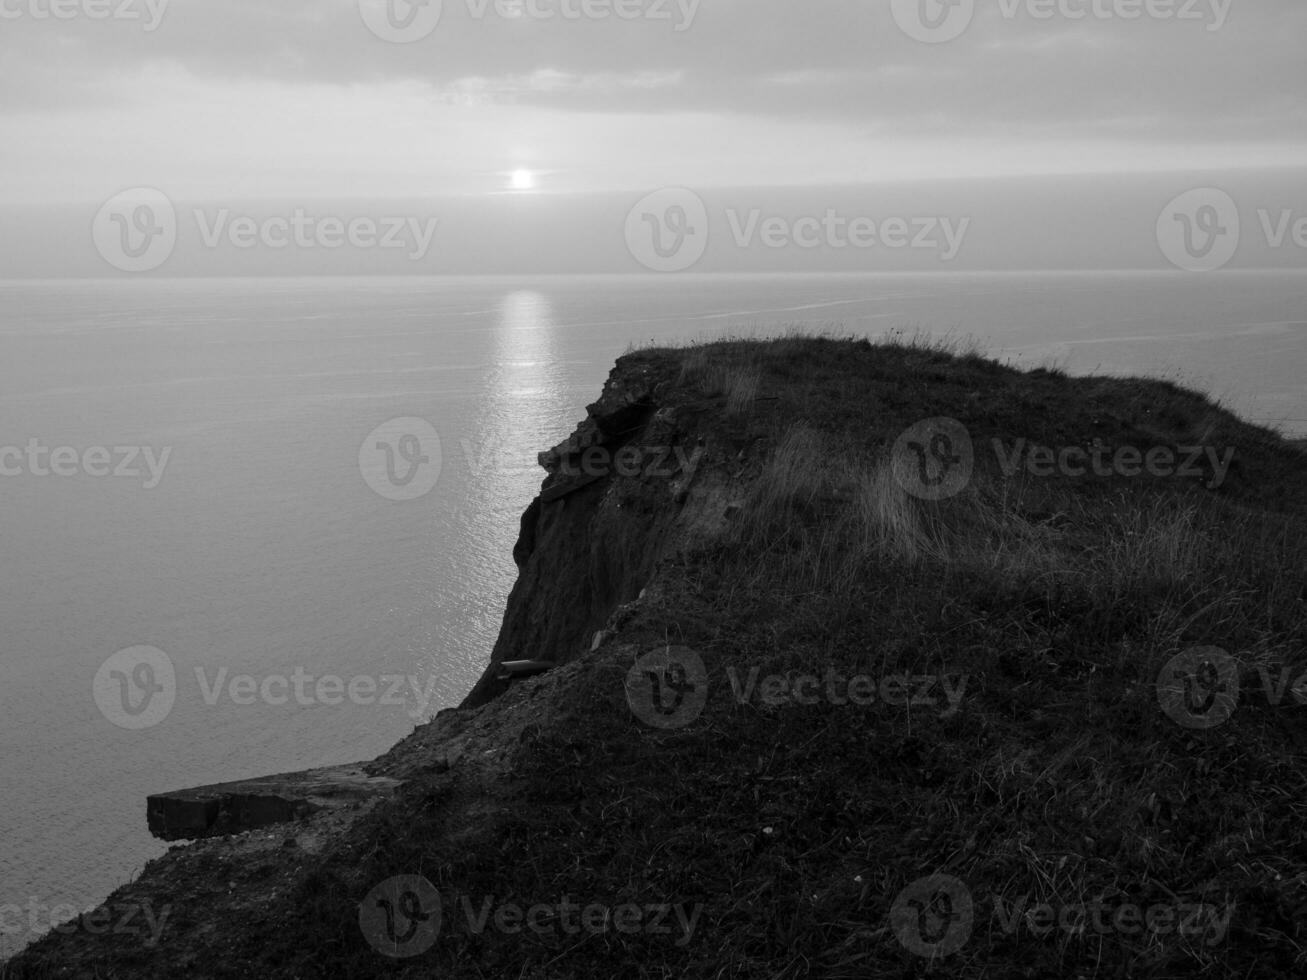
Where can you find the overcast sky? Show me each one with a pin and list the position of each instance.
(269, 98)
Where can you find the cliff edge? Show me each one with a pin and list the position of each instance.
(825, 658)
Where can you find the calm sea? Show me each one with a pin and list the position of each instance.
(263, 550)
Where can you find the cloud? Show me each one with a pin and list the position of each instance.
(842, 61)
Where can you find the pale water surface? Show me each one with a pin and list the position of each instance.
(263, 550)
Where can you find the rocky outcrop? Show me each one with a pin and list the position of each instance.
(233, 808)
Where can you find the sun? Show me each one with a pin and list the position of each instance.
(522, 180)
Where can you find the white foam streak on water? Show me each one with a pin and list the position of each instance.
(263, 550)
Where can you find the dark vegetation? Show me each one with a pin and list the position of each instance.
(1059, 779)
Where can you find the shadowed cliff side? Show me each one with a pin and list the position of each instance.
(621, 494)
(868, 661)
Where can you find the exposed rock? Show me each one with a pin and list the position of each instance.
(523, 668)
(232, 808)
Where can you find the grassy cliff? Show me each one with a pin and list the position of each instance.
(906, 663)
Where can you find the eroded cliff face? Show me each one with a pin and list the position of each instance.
(629, 487)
